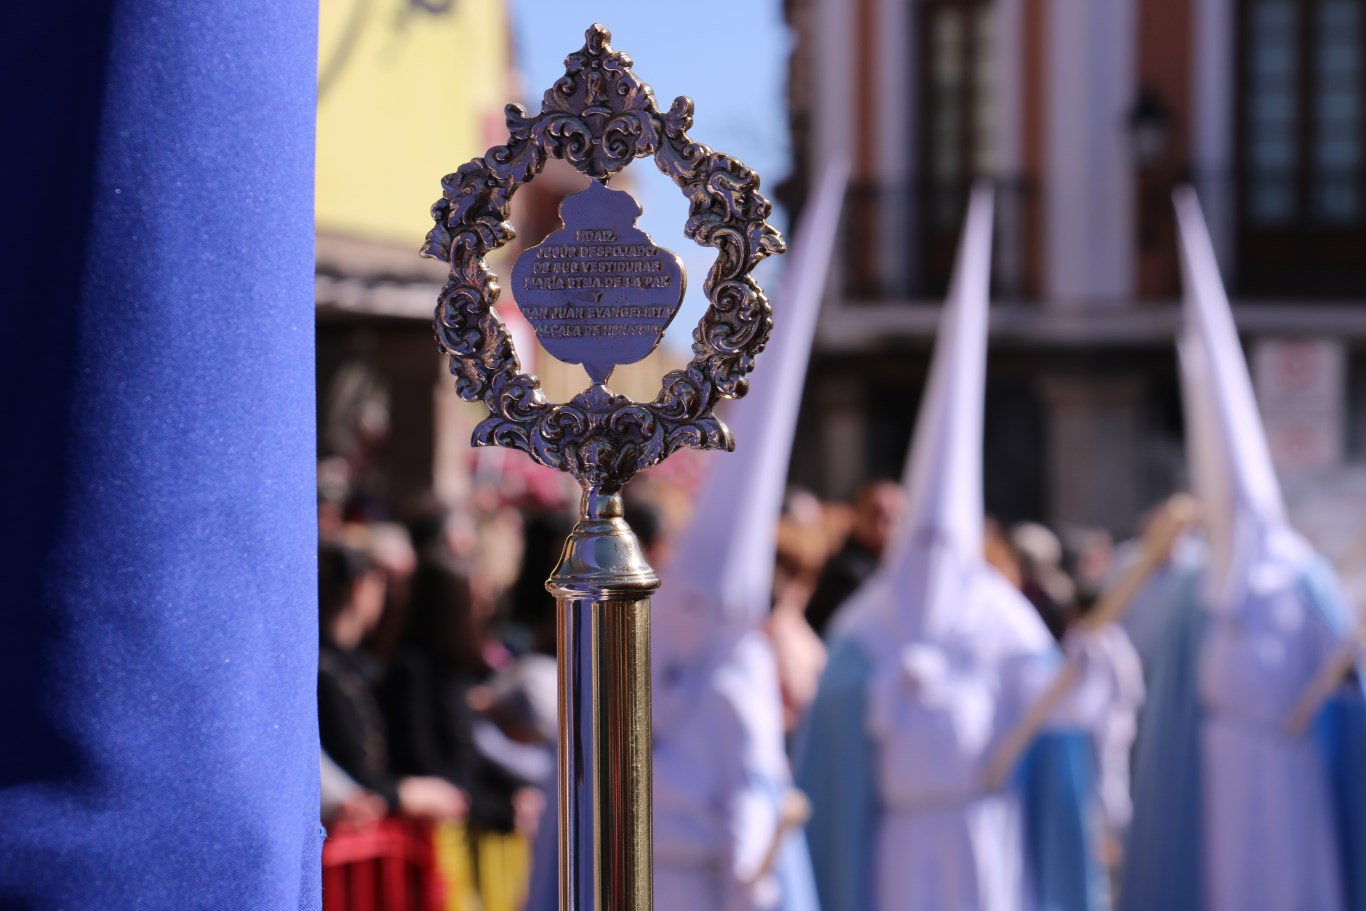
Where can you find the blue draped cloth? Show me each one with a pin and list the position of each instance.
(835, 766)
(158, 617)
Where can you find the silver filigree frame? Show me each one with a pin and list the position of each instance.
(600, 117)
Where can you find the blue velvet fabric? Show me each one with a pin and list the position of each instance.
(158, 611)
(1162, 858)
(834, 766)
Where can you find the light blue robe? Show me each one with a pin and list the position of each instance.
(1342, 733)
(835, 767)
(1162, 858)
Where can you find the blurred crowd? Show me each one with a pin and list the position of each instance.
(437, 679)
(436, 676)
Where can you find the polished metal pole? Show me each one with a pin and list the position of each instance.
(602, 588)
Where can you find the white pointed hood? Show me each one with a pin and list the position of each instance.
(940, 538)
(953, 647)
(935, 584)
(1231, 465)
(721, 577)
(944, 467)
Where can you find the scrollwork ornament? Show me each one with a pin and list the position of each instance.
(600, 117)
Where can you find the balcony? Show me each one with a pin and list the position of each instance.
(1292, 236)
(1298, 233)
(900, 240)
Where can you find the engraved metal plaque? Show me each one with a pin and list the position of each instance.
(598, 292)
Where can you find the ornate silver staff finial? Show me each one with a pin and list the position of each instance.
(599, 292)
(600, 117)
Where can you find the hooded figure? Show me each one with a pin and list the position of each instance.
(931, 663)
(1275, 616)
(1234, 810)
(720, 770)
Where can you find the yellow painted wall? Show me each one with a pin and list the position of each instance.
(406, 95)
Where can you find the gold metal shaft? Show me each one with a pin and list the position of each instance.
(602, 590)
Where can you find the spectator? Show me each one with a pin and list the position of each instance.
(442, 659)
(533, 608)
(1043, 581)
(803, 548)
(876, 510)
(351, 727)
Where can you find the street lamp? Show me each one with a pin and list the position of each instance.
(1150, 127)
(1150, 133)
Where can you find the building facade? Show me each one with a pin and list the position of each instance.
(1086, 115)
(409, 90)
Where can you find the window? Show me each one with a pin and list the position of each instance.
(1338, 112)
(1302, 113)
(1273, 110)
(959, 116)
(957, 127)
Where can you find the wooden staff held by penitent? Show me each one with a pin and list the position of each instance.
(1175, 516)
(793, 813)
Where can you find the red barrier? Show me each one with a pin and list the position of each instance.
(388, 866)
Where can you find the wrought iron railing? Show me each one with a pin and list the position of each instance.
(1292, 235)
(900, 239)
(1297, 233)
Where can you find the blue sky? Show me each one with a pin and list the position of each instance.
(730, 57)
